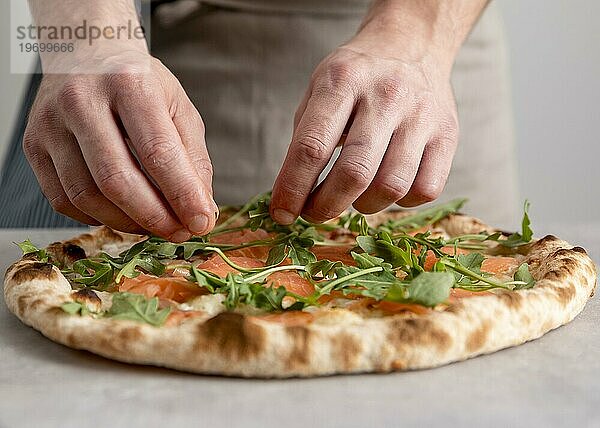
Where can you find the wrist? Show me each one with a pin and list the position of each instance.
(424, 31)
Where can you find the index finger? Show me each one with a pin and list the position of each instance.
(161, 152)
(313, 143)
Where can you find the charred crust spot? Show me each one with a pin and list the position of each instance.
(232, 335)
(579, 250)
(478, 337)
(66, 253)
(413, 331)
(87, 297)
(562, 252)
(399, 365)
(22, 304)
(455, 308)
(548, 238)
(300, 348)
(35, 270)
(512, 300)
(110, 235)
(73, 252)
(28, 302)
(346, 350)
(565, 293)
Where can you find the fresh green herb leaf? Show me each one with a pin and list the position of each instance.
(427, 289)
(93, 273)
(148, 263)
(28, 248)
(425, 217)
(518, 239)
(239, 291)
(471, 262)
(523, 275)
(206, 279)
(135, 307)
(277, 254)
(74, 308)
(322, 268)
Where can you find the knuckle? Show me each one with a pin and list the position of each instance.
(185, 194)
(449, 129)
(322, 213)
(355, 171)
(391, 91)
(204, 168)
(290, 190)
(113, 181)
(158, 152)
(338, 76)
(154, 221)
(427, 191)
(60, 203)
(73, 97)
(31, 144)
(311, 148)
(127, 82)
(80, 194)
(393, 187)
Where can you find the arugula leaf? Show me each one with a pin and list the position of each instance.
(147, 262)
(206, 279)
(135, 307)
(75, 308)
(425, 217)
(252, 204)
(239, 291)
(392, 254)
(299, 254)
(523, 275)
(93, 273)
(427, 289)
(324, 268)
(259, 214)
(28, 248)
(277, 254)
(518, 239)
(472, 262)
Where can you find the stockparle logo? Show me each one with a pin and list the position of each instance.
(71, 31)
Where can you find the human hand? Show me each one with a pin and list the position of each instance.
(396, 103)
(85, 132)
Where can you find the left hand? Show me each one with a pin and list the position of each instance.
(402, 130)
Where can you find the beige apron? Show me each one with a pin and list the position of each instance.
(245, 64)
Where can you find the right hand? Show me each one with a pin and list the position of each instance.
(85, 132)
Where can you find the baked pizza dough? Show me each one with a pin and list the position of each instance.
(333, 341)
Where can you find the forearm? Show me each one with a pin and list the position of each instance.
(421, 29)
(110, 27)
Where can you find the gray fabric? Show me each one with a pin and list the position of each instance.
(246, 66)
(246, 71)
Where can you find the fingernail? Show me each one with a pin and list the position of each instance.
(283, 216)
(199, 224)
(180, 236)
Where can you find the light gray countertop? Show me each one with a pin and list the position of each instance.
(553, 381)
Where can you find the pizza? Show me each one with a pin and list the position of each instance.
(398, 290)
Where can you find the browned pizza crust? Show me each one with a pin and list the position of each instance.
(337, 341)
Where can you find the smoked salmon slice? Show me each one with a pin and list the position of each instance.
(335, 253)
(243, 237)
(499, 265)
(218, 266)
(431, 259)
(169, 288)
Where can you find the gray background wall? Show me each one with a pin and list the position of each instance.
(555, 61)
